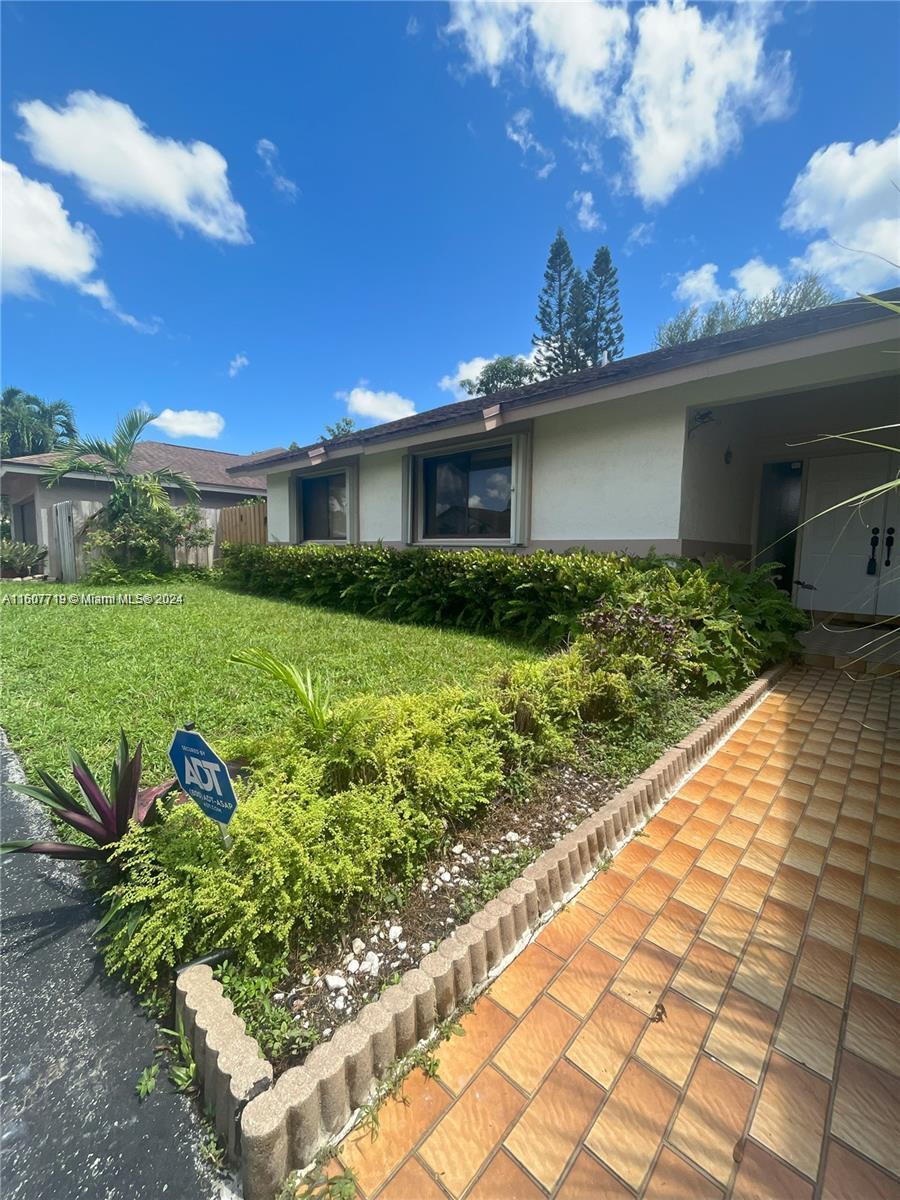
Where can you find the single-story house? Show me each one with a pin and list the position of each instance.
(31, 501)
(713, 448)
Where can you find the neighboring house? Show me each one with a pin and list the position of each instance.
(31, 501)
(708, 449)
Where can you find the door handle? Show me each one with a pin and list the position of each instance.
(888, 545)
(872, 564)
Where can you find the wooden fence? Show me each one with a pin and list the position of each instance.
(243, 523)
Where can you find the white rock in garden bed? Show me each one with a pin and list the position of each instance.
(358, 946)
(353, 966)
(394, 932)
(371, 963)
(512, 836)
(335, 982)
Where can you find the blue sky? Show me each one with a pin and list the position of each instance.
(378, 185)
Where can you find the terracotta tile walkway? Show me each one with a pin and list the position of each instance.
(714, 1016)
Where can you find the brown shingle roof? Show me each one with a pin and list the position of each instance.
(829, 317)
(207, 468)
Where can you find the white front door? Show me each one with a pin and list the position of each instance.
(842, 566)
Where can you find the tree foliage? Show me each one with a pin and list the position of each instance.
(341, 427)
(737, 312)
(552, 343)
(507, 371)
(138, 526)
(30, 425)
(606, 331)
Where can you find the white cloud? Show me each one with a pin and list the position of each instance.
(465, 369)
(518, 130)
(237, 364)
(640, 234)
(586, 215)
(268, 152)
(189, 422)
(362, 402)
(699, 286)
(122, 165)
(413, 28)
(494, 34)
(590, 160)
(754, 279)
(577, 51)
(40, 239)
(848, 193)
(757, 278)
(675, 83)
(693, 81)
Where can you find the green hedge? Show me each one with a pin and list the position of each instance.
(538, 597)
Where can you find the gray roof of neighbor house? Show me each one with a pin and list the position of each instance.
(209, 469)
(827, 319)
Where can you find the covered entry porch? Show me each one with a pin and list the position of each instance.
(758, 472)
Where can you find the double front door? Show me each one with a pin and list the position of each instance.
(849, 559)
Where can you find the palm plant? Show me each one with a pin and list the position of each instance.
(103, 816)
(111, 459)
(312, 695)
(137, 525)
(32, 425)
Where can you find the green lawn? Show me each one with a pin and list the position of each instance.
(75, 674)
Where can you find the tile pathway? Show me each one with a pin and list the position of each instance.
(716, 1015)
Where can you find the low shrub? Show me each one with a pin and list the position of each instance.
(539, 597)
(19, 558)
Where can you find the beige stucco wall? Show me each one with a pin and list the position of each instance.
(381, 497)
(608, 473)
(279, 497)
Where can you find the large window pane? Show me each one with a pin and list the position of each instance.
(468, 495)
(323, 508)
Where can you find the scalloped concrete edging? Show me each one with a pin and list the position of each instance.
(274, 1129)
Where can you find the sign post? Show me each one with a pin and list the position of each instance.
(204, 777)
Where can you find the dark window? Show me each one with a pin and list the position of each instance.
(323, 508)
(468, 495)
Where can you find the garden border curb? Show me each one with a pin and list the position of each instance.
(275, 1128)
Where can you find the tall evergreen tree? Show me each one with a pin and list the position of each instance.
(552, 342)
(606, 331)
(578, 324)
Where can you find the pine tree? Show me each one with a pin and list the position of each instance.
(606, 314)
(578, 324)
(552, 343)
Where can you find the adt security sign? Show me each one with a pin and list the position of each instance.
(203, 775)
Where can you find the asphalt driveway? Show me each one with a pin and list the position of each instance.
(72, 1045)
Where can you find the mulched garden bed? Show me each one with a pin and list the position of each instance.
(331, 987)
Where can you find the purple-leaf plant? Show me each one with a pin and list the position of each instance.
(101, 816)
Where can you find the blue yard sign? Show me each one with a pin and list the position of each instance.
(203, 775)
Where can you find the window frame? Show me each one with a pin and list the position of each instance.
(520, 449)
(350, 472)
